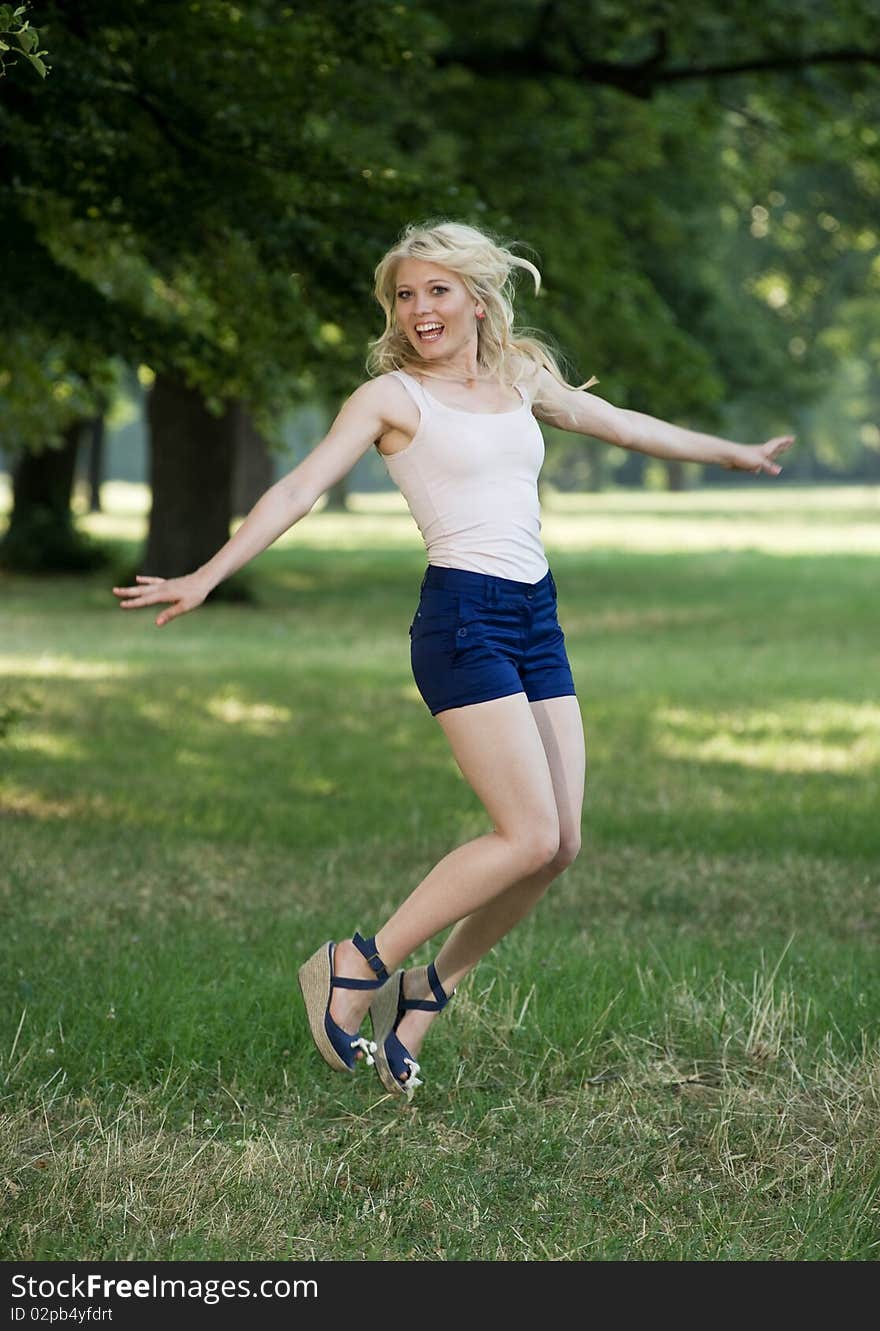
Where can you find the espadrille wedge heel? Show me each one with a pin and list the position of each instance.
(398, 1070)
(337, 1047)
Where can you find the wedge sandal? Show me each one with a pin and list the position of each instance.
(392, 1058)
(337, 1047)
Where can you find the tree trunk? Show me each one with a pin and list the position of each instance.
(96, 463)
(254, 466)
(632, 470)
(45, 479)
(41, 537)
(598, 458)
(675, 475)
(337, 497)
(191, 461)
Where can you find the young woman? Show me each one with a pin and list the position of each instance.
(452, 408)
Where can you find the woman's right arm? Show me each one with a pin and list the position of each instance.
(363, 418)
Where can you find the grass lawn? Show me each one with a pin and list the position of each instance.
(674, 1058)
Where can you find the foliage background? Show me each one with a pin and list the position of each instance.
(204, 188)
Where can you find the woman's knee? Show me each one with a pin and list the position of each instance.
(537, 845)
(568, 849)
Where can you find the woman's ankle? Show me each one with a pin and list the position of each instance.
(352, 961)
(348, 1007)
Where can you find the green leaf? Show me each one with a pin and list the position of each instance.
(27, 39)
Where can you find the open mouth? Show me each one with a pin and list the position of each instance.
(429, 332)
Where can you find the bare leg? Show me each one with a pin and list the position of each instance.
(561, 729)
(558, 726)
(498, 746)
(562, 734)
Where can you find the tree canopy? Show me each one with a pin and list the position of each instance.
(206, 187)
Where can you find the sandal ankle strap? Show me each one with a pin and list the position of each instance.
(437, 988)
(344, 982)
(441, 998)
(367, 948)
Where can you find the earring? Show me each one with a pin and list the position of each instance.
(481, 314)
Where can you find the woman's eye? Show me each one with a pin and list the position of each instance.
(442, 290)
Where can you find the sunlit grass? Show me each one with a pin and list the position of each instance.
(761, 515)
(49, 666)
(820, 736)
(236, 712)
(771, 518)
(675, 1057)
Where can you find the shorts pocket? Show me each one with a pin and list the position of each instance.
(424, 625)
(471, 628)
(435, 614)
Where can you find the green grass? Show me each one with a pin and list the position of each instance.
(674, 1058)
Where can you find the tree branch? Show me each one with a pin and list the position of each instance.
(641, 79)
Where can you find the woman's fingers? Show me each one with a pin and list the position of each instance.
(139, 591)
(147, 593)
(770, 451)
(139, 595)
(146, 598)
(779, 444)
(178, 594)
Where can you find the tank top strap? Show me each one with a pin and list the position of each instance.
(523, 392)
(414, 388)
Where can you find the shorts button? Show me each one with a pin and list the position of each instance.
(462, 633)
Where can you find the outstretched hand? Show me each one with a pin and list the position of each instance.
(183, 594)
(759, 458)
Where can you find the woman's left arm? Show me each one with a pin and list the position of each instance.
(581, 412)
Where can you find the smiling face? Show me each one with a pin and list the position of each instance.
(435, 310)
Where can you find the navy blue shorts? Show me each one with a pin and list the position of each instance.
(476, 636)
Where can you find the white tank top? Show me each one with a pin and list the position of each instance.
(470, 480)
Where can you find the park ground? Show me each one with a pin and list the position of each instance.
(674, 1058)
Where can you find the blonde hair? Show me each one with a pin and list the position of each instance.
(486, 267)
